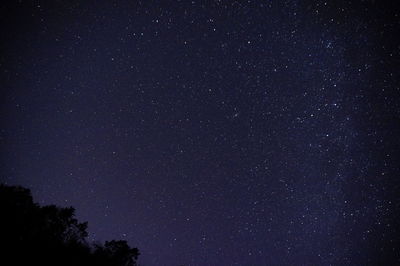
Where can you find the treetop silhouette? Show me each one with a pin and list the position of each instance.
(50, 235)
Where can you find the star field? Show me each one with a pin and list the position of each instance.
(210, 132)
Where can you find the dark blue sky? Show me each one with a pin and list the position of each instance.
(210, 132)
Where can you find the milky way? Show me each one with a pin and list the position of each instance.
(210, 132)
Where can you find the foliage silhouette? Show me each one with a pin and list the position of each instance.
(50, 235)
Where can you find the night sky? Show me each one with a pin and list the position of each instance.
(210, 132)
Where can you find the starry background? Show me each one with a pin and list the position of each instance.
(210, 132)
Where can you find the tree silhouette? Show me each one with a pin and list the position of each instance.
(50, 235)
